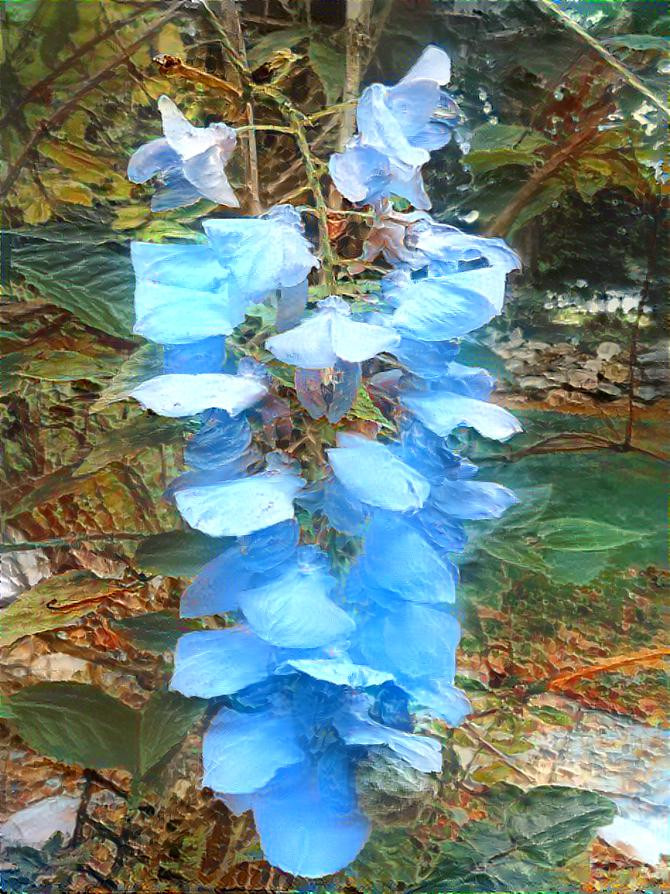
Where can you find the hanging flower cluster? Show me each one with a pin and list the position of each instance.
(316, 670)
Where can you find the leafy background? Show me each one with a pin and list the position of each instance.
(564, 603)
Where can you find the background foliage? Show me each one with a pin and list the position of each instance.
(564, 606)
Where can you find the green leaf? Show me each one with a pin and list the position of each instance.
(639, 42)
(179, 553)
(552, 715)
(514, 552)
(77, 724)
(141, 432)
(285, 38)
(583, 535)
(155, 631)
(93, 283)
(70, 366)
(80, 724)
(483, 161)
(44, 606)
(364, 408)
(512, 137)
(143, 364)
(329, 66)
(165, 720)
(528, 838)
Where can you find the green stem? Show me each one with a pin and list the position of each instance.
(632, 79)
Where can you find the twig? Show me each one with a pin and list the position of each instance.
(38, 88)
(628, 76)
(560, 681)
(61, 113)
(72, 541)
(488, 746)
(174, 66)
(574, 147)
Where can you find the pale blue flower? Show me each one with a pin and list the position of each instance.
(169, 278)
(374, 475)
(331, 335)
(209, 663)
(397, 128)
(240, 506)
(178, 394)
(191, 161)
(443, 411)
(262, 253)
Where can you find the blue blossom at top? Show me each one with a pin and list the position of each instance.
(331, 335)
(262, 253)
(190, 160)
(397, 128)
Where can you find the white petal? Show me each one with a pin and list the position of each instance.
(185, 395)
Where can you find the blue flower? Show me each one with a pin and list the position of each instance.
(328, 392)
(262, 253)
(397, 128)
(191, 161)
(169, 277)
(240, 506)
(183, 394)
(331, 335)
(442, 411)
(374, 475)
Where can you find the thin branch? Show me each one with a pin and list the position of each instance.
(37, 89)
(74, 540)
(61, 113)
(560, 681)
(577, 144)
(174, 66)
(553, 9)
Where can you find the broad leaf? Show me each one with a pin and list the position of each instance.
(165, 720)
(528, 838)
(178, 553)
(92, 282)
(77, 724)
(584, 535)
(155, 631)
(329, 66)
(143, 431)
(56, 602)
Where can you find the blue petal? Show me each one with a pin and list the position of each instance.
(433, 65)
(428, 454)
(428, 360)
(240, 506)
(473, 499)
(446, 534)
(435, 309)
(206, 172)
(397, 558)
(291, 305)
(172, 277)
(219, 662)
(330, 393)
(442, 412)
(179, 395)
(361, 174)
(340, 672)
(263, 254)
(344, 512)
(177, 192)
(410, 187)
(150, 159)
(440, 242)
(442, 699)
(300, 831)
(412, 642)
(412, 105)
(380, 129)
(204, 356)
(421, 752)
(468, 381)
(242, 752)
(486, 281)
(371, 472)
(221, 440)
(294, 611)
